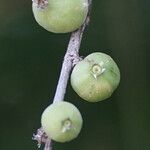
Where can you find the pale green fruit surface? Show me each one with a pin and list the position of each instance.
(98, 84)
(61, 16)
(61, 121)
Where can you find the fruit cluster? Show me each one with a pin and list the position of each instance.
(94, 78)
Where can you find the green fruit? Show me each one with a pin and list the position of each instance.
(61, 121)
(60, 16)
(96, 77)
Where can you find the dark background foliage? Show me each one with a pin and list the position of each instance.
(30, 62)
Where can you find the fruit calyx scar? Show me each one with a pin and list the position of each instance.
(97, 69)
(66, 125)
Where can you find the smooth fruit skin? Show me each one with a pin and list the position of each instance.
(61, 16)
(96, 77)
(61, 121)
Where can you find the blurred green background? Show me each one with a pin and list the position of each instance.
(30, 63)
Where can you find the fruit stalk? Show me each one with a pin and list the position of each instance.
(70, 59)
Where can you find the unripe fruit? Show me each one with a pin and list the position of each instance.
(61, 121)
(60, 16)
(96, 77)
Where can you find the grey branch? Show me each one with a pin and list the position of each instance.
(70, 59)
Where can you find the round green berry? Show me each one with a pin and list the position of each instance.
(61, 121)
(96, 77)
(60, 16)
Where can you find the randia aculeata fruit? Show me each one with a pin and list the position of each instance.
(61, 121)
(60, 16)
(96, 77)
